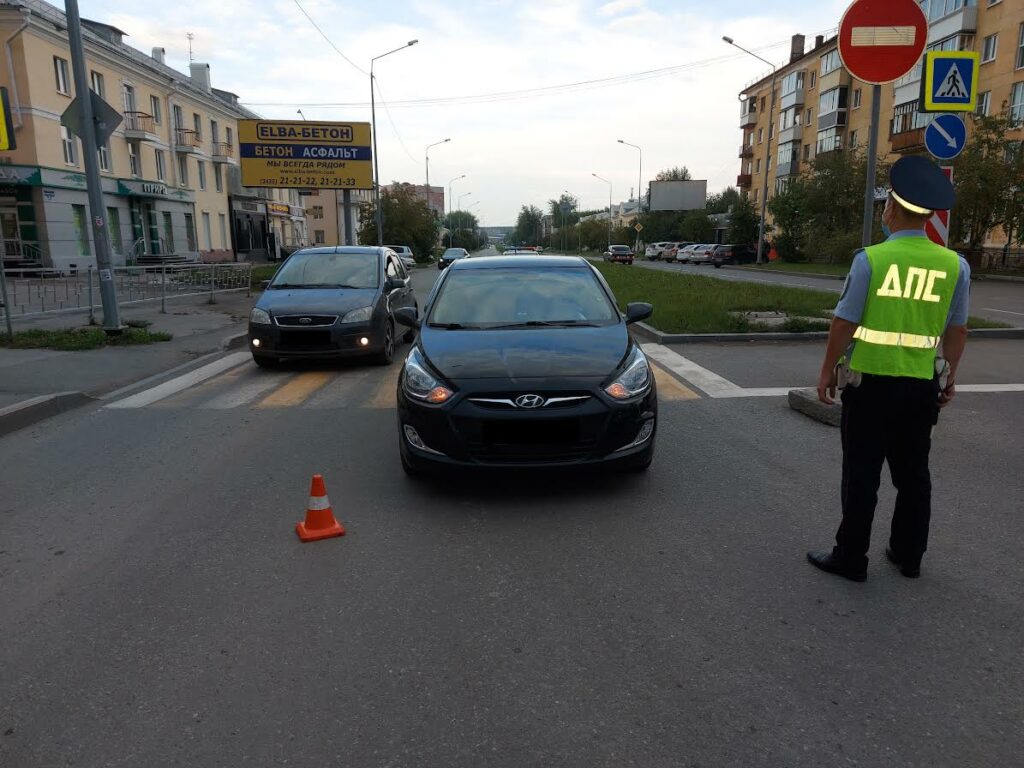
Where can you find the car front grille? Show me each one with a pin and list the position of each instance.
(306, 340)
(506, 401)
(306, 321)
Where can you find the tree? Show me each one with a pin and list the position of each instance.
(571, 216)
(697, 227)
(723, 201)
(744, 222)
(528, 226)
(462, 227)
(676, 173)
(594, 234)
(407, 221)
(661, 225)
(788, 210)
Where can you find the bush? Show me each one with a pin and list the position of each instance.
(788, 248)
(836, 249)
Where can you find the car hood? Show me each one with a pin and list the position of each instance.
(324, 301)
(525, 354)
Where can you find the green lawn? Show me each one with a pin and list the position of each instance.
(804, 268)
(77, 339)
(261, 273)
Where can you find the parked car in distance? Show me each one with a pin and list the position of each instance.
(701, 254)
(525, 361)
(733, 254)
(682, 254)
(405, 254)
(621, 254)
(655, 251)
(672, 252)
(329, 303)
(450, 255)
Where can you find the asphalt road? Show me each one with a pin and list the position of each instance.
(157, 608)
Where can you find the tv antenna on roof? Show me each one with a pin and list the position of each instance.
(190, 37)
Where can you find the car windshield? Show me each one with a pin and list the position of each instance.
(522, 298)
(328, 270)
(454, 253)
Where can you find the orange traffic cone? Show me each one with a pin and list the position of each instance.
(320, 522)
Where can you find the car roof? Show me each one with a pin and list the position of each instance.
(351, 249)
(497, 262)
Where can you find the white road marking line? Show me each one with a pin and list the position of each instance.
(262, 381)
(190, 379)
(990, 387)
(762, 392)
(706, 381)
(1008, 312)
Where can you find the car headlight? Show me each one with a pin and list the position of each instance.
(361, 315)
(634, 379)
(419, 383)
(259, 316)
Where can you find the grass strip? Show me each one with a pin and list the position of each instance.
(78, 339)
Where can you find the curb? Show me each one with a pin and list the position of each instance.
(696, 338)
(995, 333)
(23, 414)
(234, 342)
(997, 278)
(818, 275)
(806, 402)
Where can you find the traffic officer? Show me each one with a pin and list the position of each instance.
(905, 300)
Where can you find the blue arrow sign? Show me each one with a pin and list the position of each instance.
(945, 137)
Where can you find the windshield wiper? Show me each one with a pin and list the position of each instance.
(454, 326)
(316, 285)
(548, 324)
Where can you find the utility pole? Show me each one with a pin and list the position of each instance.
(93, 183)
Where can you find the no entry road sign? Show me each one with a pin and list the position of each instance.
(881, 40)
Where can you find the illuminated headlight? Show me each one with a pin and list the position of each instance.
(361, 315)
(634, 380)
(420, 384)
(256, 342)
(259, 316)
(364, 342)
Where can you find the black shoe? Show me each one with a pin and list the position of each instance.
(827, 562)
(910, 570)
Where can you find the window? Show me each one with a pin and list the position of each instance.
(1017, 102)
(207, 231)
(762, 103)
(223, 220)
(190, 232)
(771, 130)
(768, 163)
(758, 166)
(792, 82)
(133, 159)
(937, 9)
(81, 230)
(754, 197)
(67, 142)
(183, 170)
(318, 236)
(129, 98)
(154, 108)
(807, 152)
(97, 85)
(316, 212)
(856, 98)
(989, 46)
(201, 169)
(390, 269)
(161, 168)
(60, 71)
(853, 138)
(810, 115)
(214, 131)
(1020, 48)
(104, 156)
(169, 233)
(760, 135)
(179, 119)
(831, 101)
(114, 228)
(984, 101)
(229, 136)
(829, 141)
(830, 62)
(218, 178)
(197, 124)
(814, 79)
(788, 152)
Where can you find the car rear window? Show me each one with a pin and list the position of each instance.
(494, 297)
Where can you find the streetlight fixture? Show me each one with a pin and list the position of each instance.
(426, 154)
(609, 206)
(299, 113)
(768, 148)
(451, 207)
(639, 181)
(373, 128)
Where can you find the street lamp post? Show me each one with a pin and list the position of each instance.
(451, 207)
(609, 206)
(373, 129)
(767, 152)
(639, 182)
(426, 154)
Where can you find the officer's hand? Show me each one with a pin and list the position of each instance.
(946, 395)
(827, 387)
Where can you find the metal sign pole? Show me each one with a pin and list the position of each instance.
(93, 182)
(3, 289)
(869, 185)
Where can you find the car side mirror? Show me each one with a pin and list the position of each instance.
(637, 311)
(407, 317)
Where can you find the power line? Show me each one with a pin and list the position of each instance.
(394, 128)
(325, 37)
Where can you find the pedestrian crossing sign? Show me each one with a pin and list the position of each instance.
(950, 82)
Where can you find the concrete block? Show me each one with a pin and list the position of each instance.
(806, 402)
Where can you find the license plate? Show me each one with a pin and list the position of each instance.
(532, 432)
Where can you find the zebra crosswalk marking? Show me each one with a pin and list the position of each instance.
(670, 388)
(296, 391)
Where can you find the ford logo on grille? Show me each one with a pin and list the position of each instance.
(529, 401)
(305, 320)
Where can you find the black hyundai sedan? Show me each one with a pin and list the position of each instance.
(525, 361)
(331, 302)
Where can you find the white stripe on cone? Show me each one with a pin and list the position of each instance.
(319, 502)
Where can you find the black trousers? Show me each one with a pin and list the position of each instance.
(887, 419)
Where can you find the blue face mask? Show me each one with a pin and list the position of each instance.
(885, 230)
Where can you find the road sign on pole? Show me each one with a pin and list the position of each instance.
(945, 137)
(950, 82)
(881, 40)
(638, 227)
(937, 227)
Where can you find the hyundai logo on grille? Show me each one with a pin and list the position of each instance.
(529, 401)
(305, 320)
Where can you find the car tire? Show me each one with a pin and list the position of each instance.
(718, 265)
(410, 469)
(387, 352)
(266, 361)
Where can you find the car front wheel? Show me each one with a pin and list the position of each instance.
(387, 351)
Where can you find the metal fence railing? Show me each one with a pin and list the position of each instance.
(32, 296)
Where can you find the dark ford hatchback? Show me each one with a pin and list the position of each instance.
(525, 361)
(331, 302)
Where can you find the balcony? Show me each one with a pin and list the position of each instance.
(908, 141)
(186, 141)
(791, 168)
(793, 133)
(744, 181)
(746, 150)
(748, 119)
(963, 20)
(139, 126)
(792, 99)
(223, 152)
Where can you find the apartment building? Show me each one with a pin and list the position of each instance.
(821, 108)
(325, 215)
(170, 173)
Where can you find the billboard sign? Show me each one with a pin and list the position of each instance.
(305, 154)
(678, 195)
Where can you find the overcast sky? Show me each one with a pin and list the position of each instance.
(523, 150)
